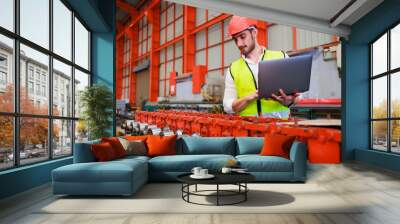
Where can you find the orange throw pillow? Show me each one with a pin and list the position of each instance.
(159, 146)
(116, 145)
(136, 138)
(103, 152)
(277, 145)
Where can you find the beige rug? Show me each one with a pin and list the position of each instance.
(166, 198)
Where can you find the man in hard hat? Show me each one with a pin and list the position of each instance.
(241, 81)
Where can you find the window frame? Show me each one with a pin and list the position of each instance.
(388, 74)
(16, 114)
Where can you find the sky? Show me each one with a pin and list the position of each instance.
(34, 26)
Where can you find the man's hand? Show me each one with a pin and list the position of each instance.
(286, 99)
(239, 104)
(252, 96)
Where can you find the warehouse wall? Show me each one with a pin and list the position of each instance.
(213, 46)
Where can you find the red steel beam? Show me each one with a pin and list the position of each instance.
(140, 3)
(154, 15)
(262, 36)
(210, 23)
(126, 7)
(189, 47)
(138, 17)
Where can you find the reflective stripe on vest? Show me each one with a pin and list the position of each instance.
(246, 84)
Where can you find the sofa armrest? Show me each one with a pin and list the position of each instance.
(298, 155)
(83, 152)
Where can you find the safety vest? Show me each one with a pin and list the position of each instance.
(246, 84)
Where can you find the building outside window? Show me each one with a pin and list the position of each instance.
(43, 90)
(3, 78)
(30, 72)
(30, 87)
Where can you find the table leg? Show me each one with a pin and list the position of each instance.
(217, 194)
(196, 188)
(245, 193)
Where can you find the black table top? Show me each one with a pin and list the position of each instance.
(220, 178)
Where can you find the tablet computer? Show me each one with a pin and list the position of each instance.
(292, 75)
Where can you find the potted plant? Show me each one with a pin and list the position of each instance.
(96, 103)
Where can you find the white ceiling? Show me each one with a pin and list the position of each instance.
(315, 15)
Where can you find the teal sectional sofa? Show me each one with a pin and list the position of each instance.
(125, 176)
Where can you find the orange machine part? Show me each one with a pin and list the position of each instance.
(198, 78)
(323, 151)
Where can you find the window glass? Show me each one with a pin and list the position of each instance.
(81, 81)
(62, 138)
(379, 97)
(395, 95)
(62, 89)
(81, 45)
(62, 29)
(6, 142)
(7, 14)
(31, 58)
(395, 47)
(379, 56)
(6, 74)
(34, 144)
(34, 21)
(379, 135)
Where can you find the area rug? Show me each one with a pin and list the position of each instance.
(167, 198)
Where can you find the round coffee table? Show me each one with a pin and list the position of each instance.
(238, 179)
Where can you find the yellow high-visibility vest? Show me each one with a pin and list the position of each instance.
(246, 84)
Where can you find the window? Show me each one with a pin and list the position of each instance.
(81, 81)
(45, 131)
(385, 97)
(62, 74)
(3, 72)
(81, 45)
(3, 78)
(43, 90)
(37, 89)
(30, 72)
(3, 61)
(30, 87)
(7, 86)
(37, 74)
(62, 29)
(34, 21)
(7, 14)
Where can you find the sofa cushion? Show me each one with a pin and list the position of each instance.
(116, 145)
(185, 163)
(161, 145)
(277, 145)
(249, 145)
(103, 152)
(257, 163)
(136, 137)
(97, 172)
(208, 145)
(135, 147)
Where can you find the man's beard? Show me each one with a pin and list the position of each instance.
(250, 48)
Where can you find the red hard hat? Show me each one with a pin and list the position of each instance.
(238, 24)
